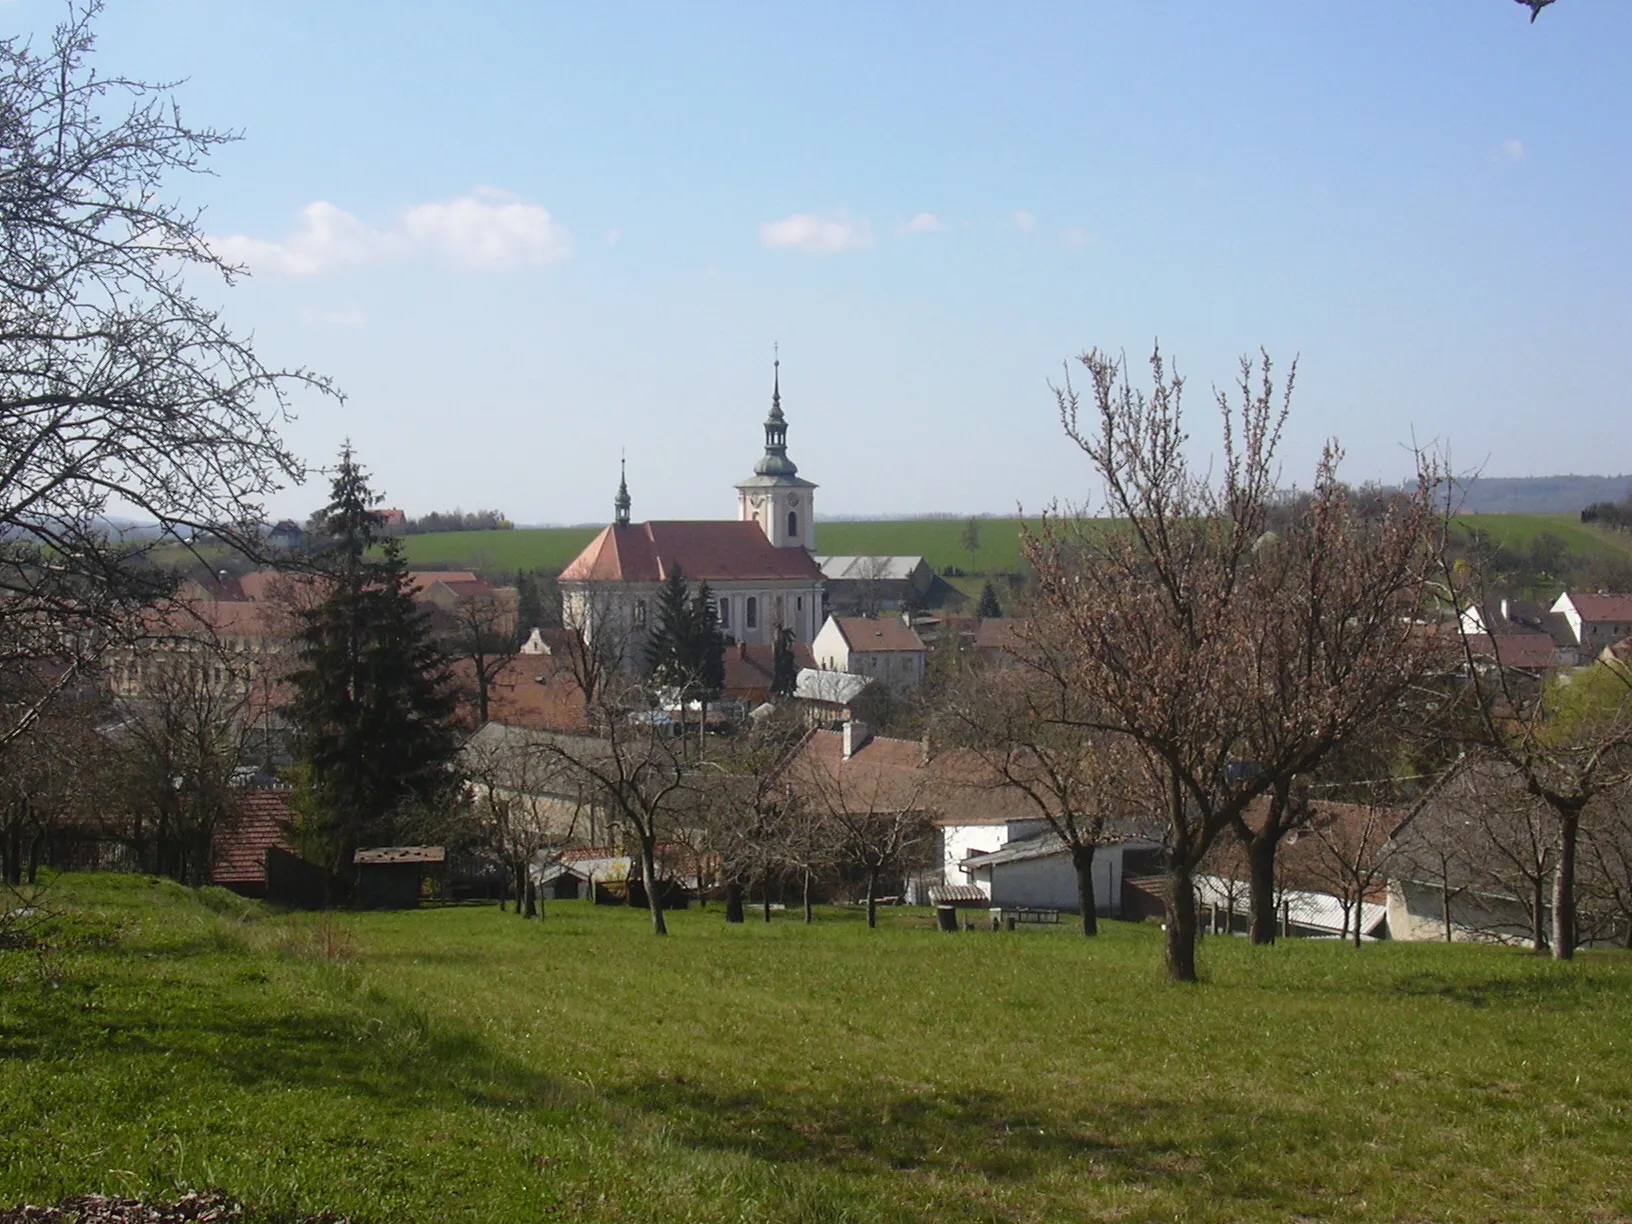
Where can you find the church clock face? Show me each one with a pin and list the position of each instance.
(793, 499)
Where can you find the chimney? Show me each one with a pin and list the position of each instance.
(925, 751)
(856, 734)
(742, 650)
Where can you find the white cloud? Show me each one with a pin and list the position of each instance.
(1509, 150)
(485, 229)
(1075, 238)
(349, 316)
(818, 235)
(1025, 221)
(924, 223)
(328, 238)
(486, 232)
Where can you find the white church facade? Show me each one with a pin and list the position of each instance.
(759, 567)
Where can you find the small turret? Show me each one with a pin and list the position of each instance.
(775, 461)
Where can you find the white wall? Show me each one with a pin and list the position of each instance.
(958, 842)
(1051, 883)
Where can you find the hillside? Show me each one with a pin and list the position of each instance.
(459, 1064)
(1542, 494)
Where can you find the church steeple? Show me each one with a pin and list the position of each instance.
(776, 461)
(620, 505)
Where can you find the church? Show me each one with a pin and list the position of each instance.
(759, 567)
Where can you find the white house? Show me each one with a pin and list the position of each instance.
(887, 649)
(1596, 620)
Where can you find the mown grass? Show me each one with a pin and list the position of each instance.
(459, 1064)
(1517, 532)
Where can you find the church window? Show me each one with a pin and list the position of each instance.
(799, 603)
(793, 524)
(640, 612)
(725, 614)
(751, 613)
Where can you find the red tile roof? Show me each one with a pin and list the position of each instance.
(749, 669)
(889, 633)
(238, 855)
(1521, 651)
(703, 551)
(1603, 607)
(536, 692)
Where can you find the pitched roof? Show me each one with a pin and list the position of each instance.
(1521, 651)
(862, 569)
(829, 687)
(390, 856)
(705, 551)
(538, 692)
(238, 849)
(1602, 606)
(888, 633)
(749, 670)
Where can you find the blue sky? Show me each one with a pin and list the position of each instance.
(524, 237)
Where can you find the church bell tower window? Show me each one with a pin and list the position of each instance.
(793, 524)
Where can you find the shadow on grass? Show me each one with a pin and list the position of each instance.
(922, 1132)
(1540, 987)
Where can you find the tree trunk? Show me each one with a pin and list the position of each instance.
(1082, 858)
(1538, 917)
(1261, 887)
(524, 890)
(1359, 909)
(532, 897)
(810, 914)
(1445, 902)
(765, 898)
(1181, 925)
(872, 900)
(733, 901)
(1569, 826)
(648, 875)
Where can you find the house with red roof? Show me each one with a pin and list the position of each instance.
(758, 567)
(886, 648)
(1597, 620)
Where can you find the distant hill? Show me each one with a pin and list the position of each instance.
(1542, 494)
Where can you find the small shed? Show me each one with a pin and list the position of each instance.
(960, 896)
(392, 877)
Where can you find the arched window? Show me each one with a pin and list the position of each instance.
(750, 617)
(725, 614)
(793, 524)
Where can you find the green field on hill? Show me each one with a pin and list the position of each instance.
(459, 1064)
(939, 541)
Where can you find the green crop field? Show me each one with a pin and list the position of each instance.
(458, 1064)
(1519, 531)
(937, 540)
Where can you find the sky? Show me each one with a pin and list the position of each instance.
(526, 239)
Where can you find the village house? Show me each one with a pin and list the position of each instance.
(1596, 620)
(866, 586)
(886, 649)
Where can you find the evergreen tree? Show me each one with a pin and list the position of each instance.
(784, 668)
(374, 701)
(668, 645)
(988, 602)
(707, 647)
(529, 605)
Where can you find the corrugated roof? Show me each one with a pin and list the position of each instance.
(829, 687)
(868, 569)
(704, 551)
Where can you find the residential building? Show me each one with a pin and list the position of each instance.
(887, 649)
(1596, 620)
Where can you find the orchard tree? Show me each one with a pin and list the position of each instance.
(1229, 661)
(121, 391)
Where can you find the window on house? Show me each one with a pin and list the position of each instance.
(750, 616)
(725, 614)
(799, 603)
(793, 524)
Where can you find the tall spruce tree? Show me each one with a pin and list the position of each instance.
(784, 667)
(989, 605)
(374, 701)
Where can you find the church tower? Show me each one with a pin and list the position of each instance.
(774, 496)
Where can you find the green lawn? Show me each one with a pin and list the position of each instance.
(460, 1064)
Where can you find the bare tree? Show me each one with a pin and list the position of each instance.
(1570, 742)
(1233, 660)
(120, 391)
(525, 802)
(1607, 880)
(1034, 738)
(1351, 858)
(480, 629)
(877, 821)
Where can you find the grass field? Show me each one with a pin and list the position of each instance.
(937, 540)
(459, 1064)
